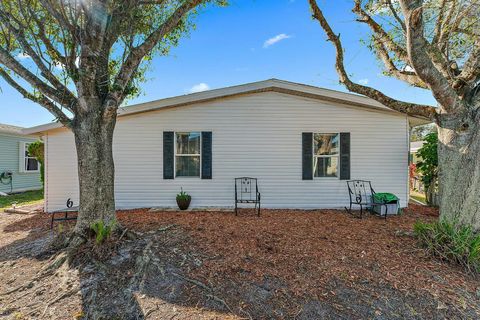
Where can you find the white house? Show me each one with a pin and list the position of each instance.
(300, 141)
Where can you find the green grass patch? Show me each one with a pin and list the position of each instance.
(24, 198)
(419, 198)
(451, 242)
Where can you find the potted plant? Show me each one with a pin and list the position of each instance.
(183, 200)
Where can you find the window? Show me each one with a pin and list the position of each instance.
(187, 154)
(27, 162)
(326, 150)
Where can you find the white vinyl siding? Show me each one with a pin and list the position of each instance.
(257, 135)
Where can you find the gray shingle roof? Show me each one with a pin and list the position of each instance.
(6, 128)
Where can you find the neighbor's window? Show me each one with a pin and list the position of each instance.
(326, 149)
(30, 164)
(187, 154)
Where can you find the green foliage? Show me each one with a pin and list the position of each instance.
(183, 196)
(451, 242)
(428, 167)
(460, 40)
(102, 231)
(420, 132)
(37, 150)
(129, 25)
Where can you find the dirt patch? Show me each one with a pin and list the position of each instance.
(212, 265)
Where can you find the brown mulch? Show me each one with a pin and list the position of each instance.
(292, 257)
(306, 248)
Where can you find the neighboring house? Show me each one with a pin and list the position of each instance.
(300, 141)
(414, 147)
(14, 159)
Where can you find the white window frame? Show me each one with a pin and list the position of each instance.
(186, 155)
(315, 156)
(22, 164)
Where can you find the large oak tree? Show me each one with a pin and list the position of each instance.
(80, 59)
(434, 45)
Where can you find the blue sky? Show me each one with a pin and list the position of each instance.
(231, 46)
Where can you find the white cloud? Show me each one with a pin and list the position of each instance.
(23, 56)
(408, 68)
(363, 81)
(199, 87)
(277, 38)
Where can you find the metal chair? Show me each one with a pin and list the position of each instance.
(246, 191)
(361, 194)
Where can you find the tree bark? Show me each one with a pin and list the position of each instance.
(459, 171)
(96, 172)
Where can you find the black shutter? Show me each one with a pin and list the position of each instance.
(345, 156)
(307, 156)
(168, 154)
(206, 155)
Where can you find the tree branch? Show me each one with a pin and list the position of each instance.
(418, 49)
(409, 77)
(42, 100)
(471, 68)
(67, 96)
(379, 32)
(7, 60)
(411, 109)
(137, 54)
(395, 15)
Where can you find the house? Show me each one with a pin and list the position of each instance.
(414, 147)
(18, 170)
(300, 141)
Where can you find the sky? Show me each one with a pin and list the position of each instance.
(247, 41)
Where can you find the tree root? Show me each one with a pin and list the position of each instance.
(206, 288)
(58, 298)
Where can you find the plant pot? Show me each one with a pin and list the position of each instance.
(183, 204)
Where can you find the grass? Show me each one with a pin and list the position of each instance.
(24, 198)
(418, 196)
(451, 242)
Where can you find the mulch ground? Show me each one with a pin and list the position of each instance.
(297, 264)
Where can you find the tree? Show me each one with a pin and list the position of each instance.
(80, 59)
(428, 166)
(435, 45)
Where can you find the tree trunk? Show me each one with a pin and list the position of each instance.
(459, 173)
(93, 139)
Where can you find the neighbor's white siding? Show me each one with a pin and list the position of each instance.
(256, 135)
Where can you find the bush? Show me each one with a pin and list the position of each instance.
(451, 242)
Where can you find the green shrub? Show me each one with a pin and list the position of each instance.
(36, 149)
(102, 231)
(451, 241)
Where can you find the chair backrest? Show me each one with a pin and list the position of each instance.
(246, 188)
(360, 191)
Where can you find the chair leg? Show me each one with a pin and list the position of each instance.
(258, 213)
(51, 222)
(361, 211)
(349, 210)
(236, 209)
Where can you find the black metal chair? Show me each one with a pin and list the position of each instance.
(361, 194)
(246, 191)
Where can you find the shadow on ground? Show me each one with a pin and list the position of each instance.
(216, 266)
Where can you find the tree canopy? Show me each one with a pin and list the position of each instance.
(55, 51)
